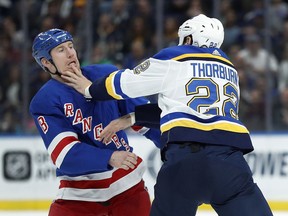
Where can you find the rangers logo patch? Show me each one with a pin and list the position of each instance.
(141, 67)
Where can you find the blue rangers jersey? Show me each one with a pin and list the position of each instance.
(70, 126)
(198, 93)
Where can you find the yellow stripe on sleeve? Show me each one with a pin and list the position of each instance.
(202, 55)
(110, 86)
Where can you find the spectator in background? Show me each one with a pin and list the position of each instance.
(245, 96)
(12, 106)
(143, 23)
(195, 8)
(99, 54)
(5, 7)
(106, 36)
(233, 53)
(4, 64)
(139, 31)
(283, 70)
(13, 88)
(170, 37)
(281, 41)
(232, 27)
(254, 99)
(10, 121)
(120, 13)
(38, 79)
(136, 55)
(177, 8)
(47, 22)
(52, 8)
(105, 29)
(9, 41)
(255, 16)
(257, 59)
(144, 9)
(11, 29)
(277, 15)
(246, 85)
(280, 118)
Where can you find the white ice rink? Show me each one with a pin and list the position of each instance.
(40, 213)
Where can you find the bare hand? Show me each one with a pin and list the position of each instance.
(76, 79)
(123, 159)
(115, 126)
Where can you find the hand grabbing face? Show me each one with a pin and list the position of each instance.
(76, 79)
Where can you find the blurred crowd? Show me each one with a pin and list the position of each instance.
(124, 32)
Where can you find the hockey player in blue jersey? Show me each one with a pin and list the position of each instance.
(95, 178)
(202, 137)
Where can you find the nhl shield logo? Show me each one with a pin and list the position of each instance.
(17, 165)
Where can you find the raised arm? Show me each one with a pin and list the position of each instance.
(148, 78)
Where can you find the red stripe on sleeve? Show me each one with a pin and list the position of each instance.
(61, 145)
(103, 183)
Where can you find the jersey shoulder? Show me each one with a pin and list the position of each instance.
(48, 96)
(184, 51)
(96, 71)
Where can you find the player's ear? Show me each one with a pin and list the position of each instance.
(45, 62)
(187, 40)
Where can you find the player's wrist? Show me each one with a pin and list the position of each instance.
(132, 118)
(87, 92)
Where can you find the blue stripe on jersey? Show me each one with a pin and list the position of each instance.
(221, 130)
(175, 115)
(214, 137)
(112, 85)
(175, 51)
(117, 84)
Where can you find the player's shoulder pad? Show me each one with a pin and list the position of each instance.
(223, 54)
(96, 71)
(46, 96)
(188, 52)
(175, 51)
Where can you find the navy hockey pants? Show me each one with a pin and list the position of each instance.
(217, 175)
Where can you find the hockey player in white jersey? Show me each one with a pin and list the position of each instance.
(203, 139)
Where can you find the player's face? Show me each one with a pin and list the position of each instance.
(64, 56)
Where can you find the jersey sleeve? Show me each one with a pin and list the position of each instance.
(148, 115)
(71, 155)
(148, 78)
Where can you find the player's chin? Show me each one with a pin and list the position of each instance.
(69, 70)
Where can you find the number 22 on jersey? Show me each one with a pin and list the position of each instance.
(208, 97)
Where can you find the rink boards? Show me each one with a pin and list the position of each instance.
(27, 176)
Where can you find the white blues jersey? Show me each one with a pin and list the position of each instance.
(198, 93)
